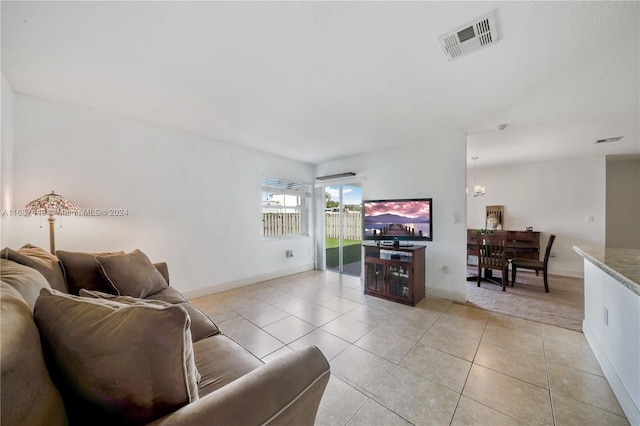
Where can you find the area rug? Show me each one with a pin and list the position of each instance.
(563, 306)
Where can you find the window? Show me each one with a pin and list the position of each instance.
(285, 207)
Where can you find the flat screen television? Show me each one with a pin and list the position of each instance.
(398, 220)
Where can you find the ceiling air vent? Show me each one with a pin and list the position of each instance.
(614, 139)
(468, 38)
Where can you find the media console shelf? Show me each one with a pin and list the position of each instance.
(394, 273)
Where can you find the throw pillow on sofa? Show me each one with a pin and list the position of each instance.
(27, 281)
(81, 270)
(40, 260)
(129, 363)
(201, 325)
(127, 300)
(132, 274)
(29, 396)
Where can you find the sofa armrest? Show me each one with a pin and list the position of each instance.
(287, 391)
(164, 270)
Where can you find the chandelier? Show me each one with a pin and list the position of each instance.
(478, 190)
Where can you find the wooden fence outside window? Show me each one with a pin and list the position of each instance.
(275, 224)
(352, 225)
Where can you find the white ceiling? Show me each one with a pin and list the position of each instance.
(316, 81)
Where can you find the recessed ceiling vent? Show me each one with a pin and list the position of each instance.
(614, 139)
(468, 38)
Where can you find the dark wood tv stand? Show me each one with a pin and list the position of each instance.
(395, 273)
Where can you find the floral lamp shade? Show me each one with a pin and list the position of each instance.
(52, 205)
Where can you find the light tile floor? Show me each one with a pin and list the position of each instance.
(438, 363)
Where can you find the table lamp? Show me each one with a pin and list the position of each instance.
(52, 205)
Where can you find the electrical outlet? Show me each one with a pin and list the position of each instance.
(289, 253)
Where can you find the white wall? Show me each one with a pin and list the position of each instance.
(554, 197)
(193, 202)
(6, 160)
(623, 204)
(433, 169)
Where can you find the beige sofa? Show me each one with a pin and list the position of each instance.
(129, 349)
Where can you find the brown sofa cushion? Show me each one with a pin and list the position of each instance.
(40, 260)
(220, 361)
(201, 325)
(27, 281)
(130, 363)
(132, 274)
(29, 396)
(169, 294)
(81, 270)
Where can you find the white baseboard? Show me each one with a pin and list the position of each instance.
(566, 272)
(630, 409)
(245, 282)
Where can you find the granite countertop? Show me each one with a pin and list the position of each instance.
(622, 264)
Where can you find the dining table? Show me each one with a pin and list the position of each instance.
(513, 248)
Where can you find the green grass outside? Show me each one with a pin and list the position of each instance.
(333, 242)
(352, 251)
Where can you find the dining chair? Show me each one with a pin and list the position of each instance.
(534, 264)
(492, 256)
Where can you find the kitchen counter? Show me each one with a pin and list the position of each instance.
(621, 264)
(612, 320)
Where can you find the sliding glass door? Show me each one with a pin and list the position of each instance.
(343, 228)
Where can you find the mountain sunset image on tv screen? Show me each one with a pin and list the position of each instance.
(408, 219)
